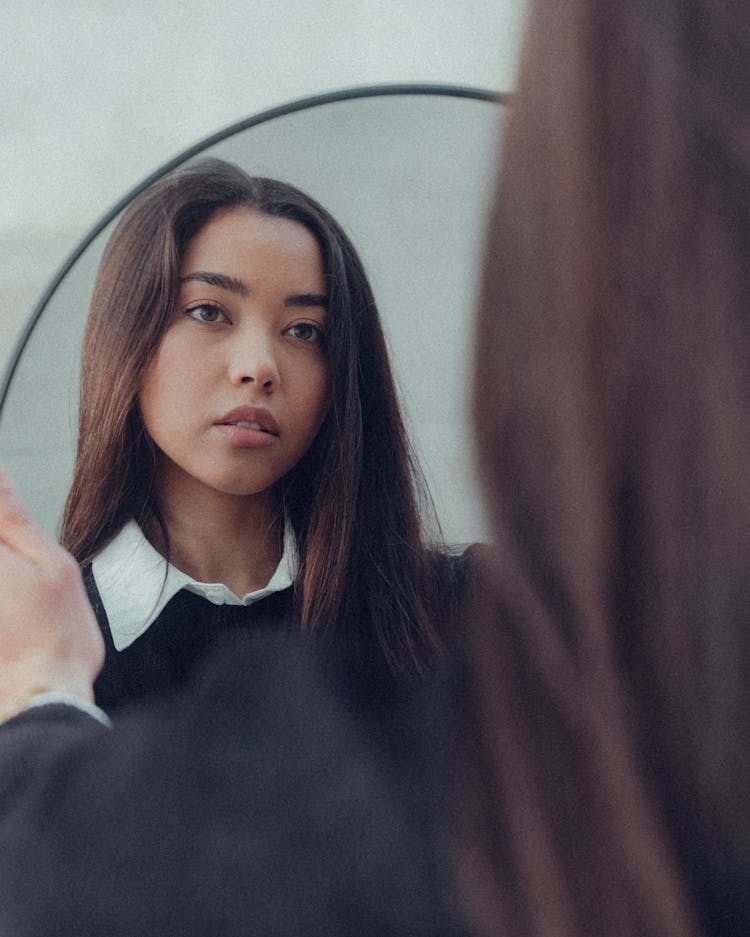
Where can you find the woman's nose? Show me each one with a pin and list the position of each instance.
(253, 362)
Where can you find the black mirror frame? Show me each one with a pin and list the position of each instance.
(300, 104)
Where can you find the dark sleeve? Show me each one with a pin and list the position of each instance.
(251, 804)
(40, 735)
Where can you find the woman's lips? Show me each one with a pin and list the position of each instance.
(248, 427)
(246, 435)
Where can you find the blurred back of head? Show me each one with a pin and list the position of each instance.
(612, 394)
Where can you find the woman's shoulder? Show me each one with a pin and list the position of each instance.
(453, 574)
(459, 558)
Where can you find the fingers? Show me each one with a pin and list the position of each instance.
(17, 530)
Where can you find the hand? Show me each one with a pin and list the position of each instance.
(49, 638)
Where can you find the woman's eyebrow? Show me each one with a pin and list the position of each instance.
(225, 282)
(307, 299)
(221, 280)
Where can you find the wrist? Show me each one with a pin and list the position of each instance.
(17, 704)
(35, 673)
(44, 697)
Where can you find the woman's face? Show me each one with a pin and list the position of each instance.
(239, 385)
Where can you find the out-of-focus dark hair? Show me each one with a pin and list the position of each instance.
(609, 669)
(353, 499)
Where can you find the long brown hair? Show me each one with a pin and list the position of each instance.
(608, 668)
(352, 498)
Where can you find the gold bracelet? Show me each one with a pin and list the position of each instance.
(17, 706)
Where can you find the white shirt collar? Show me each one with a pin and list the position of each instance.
(135, 582)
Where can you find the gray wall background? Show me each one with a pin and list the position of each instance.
(98, 94)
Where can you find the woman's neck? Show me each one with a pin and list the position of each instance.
(215, 537)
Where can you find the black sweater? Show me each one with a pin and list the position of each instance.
(256, 800)
(187, 629)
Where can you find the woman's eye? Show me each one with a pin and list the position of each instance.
(305, 331)
(206, 313)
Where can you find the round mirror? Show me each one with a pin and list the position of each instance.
(409, 173)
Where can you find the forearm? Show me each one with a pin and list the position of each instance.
(33, 744)
(48, 798)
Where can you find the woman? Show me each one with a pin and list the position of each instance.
(609, 668)
(239, 420)
(603, 760)
(255, 799)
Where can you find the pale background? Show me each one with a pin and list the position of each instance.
(99, 93)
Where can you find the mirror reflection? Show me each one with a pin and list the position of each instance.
(409, 178)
